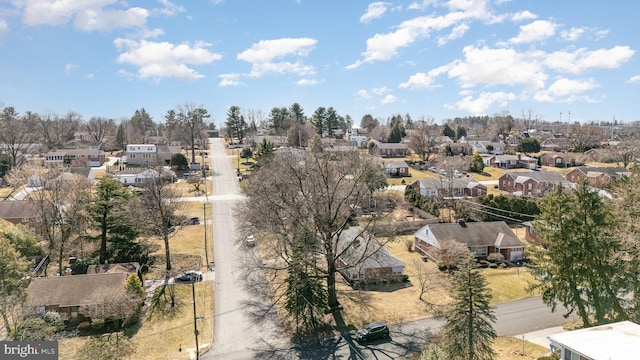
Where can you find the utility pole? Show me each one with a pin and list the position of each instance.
(195, 322)
(204, 222)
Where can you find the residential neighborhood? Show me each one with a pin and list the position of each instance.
(389, 243)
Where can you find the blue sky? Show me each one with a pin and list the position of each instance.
(564, 60)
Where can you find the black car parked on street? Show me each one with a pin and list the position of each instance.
(372, 331)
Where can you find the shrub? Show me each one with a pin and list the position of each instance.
(84, 326)
(409, 244)
(97, 324)
(493, 265)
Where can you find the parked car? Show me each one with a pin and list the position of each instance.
(191, 221)
(250, 241)
(189, 276)
(372, 331)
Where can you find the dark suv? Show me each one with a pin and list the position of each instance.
(372, 331)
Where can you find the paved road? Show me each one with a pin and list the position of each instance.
(242, 328)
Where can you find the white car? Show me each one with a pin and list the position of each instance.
(250, 241)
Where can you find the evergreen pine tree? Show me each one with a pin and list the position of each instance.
(468, 330)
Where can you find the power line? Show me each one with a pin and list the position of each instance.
(498, 209)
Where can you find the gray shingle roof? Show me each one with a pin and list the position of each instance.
(71, 290)
(17, 209)
(474, 234)
(354, 244)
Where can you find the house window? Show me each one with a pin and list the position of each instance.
(25, 219)
(529, 186)
(570, 355)
(461, 191)
(138, 180)
(481, 252)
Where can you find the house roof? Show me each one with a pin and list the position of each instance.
(499, 158)
(126, 268)
(615, 171)
(538, 176)
(94, 152)
(71, 290)
(395, 164)
(80, 170)
(390, 146)
(446, 183)
(355, 244)
(614, 341)
(17, 209)
(474, 234)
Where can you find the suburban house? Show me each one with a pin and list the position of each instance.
(487, 147)
(81, 157)
(616, 341)
(150, 154)
(389, 149)
(603, 155)
(531, 183)
(597, 176)
(482, 239)
(510, 161)
(22, 212)
(457, 148)
(378, 265)
(556, 143)
(66, 294)
(136, 177)
(561, 160)
(82, 171)
(396, 168)
(457, 187)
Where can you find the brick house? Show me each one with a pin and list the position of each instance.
(561, 160)
(385, 150)
(22, 212)
(482, 239)
(531, 183)
(597, 176)
(396, 169)
(363, 259)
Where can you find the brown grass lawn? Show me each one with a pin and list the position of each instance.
(165, 330)
(400, 302)
(415, 175)
(6, 191)
(511, 348)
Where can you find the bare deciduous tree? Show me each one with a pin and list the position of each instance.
(421, 139)
(162, 211)
(452, 253)
(314, 195)
(16, 135)
(99, 127)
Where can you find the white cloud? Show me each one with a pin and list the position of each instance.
(581, 59)
(423, 80)
(89, 76)
(488, 67)
(87, 15)
(483, 102)
(634, 79)
(170, 9)
(573, 34)
(4, 28)
(422, 5)
(389, 99)
(158, 60)
(363, 94)
(380, 90)
(262, 55)
(229, 80)
(69, 67)
(535, 31)
(307, 82)
(566, 90)
(523, 15)
(374, 11)
(456, 33)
